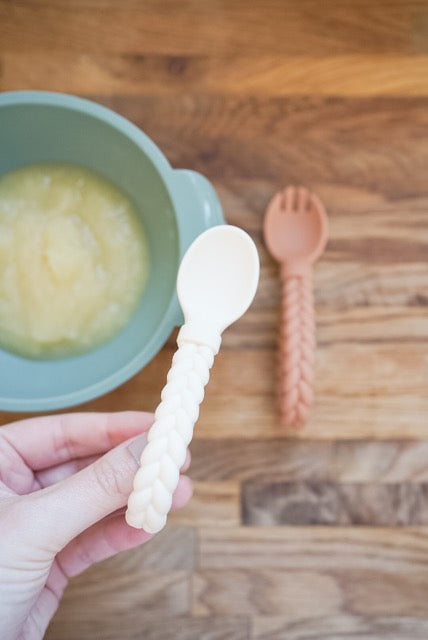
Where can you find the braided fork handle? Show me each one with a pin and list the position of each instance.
(297, 348)
(169, 437)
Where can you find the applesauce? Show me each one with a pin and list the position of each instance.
(73, 260)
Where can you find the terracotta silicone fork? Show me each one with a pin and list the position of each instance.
(295, 233)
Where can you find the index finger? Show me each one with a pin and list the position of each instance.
(50, 440)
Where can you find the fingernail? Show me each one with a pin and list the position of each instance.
(136, 446)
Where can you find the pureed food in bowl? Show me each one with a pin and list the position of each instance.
(73, 260)
(173, 205)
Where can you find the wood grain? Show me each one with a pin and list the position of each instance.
(133, 73)
(333, 95)
(371, 286)
(173, 549)
(155, 592)
(303, 548)
(206, 28)
(285, 460)
(141, 624)
(304, 594)
(213, 504)
(292, 140)
(384, 385)
(328, 503)
(351, 627)
(146, 582)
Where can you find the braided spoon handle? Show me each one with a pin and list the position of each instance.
(169, 437)
(216, 283)
(297, 349)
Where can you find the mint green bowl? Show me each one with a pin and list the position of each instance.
(175, 207)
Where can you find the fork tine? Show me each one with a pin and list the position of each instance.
(275, 202)
(289, 196)
(302, 199)
(315, 203)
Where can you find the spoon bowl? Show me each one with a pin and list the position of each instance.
(218, 277)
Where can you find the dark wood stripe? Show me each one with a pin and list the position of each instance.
(328, 503)
(344, 626)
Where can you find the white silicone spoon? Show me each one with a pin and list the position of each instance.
(216, 283)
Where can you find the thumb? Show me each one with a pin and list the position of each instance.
(62, 511)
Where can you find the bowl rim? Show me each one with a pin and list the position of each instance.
(165, 171)
(99, 111)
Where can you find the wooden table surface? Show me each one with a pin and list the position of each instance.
(320, 533)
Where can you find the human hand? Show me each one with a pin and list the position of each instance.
(62, 507)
